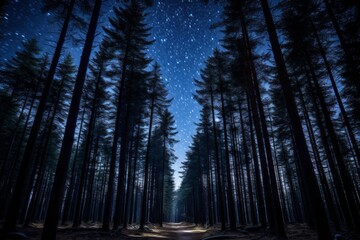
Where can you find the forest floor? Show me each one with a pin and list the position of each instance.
(183, 231)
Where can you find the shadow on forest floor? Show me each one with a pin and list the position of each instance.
(183, 231)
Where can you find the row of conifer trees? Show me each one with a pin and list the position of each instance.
(92, 142)
(278, 138)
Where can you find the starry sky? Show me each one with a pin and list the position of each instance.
(183, 37)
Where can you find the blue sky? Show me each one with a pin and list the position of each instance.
(184, 40)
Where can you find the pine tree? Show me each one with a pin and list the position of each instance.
(218, 63)
(167, 132)
(21, 72)
(128, 34)
(351, 61)
(308, 175)
(307, 57)
(57, 106)
(53, 213)
(206, 96)
(97, 91)
(157, 100)
(17, 196)
(205, 127)
(22, 78)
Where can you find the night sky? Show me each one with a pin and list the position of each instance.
(183, 42)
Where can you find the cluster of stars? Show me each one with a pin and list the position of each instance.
(184, 42)
(183, 37)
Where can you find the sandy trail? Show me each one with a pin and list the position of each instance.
(184, 231)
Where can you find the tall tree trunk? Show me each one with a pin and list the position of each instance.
(57, 192)
(13, 166)
(247, 164)
(282, 197)
(88, 142)
(269, 199)
(208, 182)
(162, 183)
(286, 217)
(238, 181)
(352, 213)
(110, 191)
(130, 177)
(277, 213)
(231, 204)
(90, 193)
(70, 191)
(151, 214)
(137, 141)
(41, 161)
(324, 185)
(218, 165)
(146, 174)
(259, 188)
(312, 190)
(124, 148)
(337, 94)
(18, 193)
(294, 199)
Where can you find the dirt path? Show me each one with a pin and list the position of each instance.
(184, 231)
